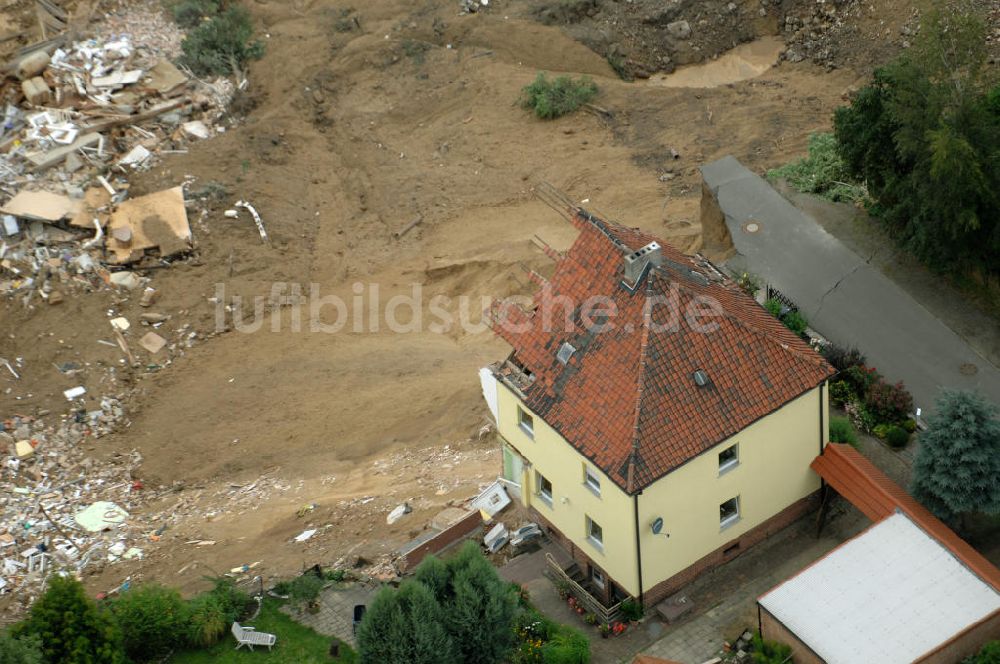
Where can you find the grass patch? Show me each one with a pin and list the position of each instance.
(297, 644)
(553, 98)
(821, 172)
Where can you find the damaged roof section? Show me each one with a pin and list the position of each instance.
(669, 357)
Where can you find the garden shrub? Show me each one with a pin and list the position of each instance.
(749, 283)
(151, 617)
(842, 358)
(23, 650)
(335, 575)
(553, 98)
(792, 319)
(770, 652)
(222, 45)
(567, 646)
(888, 403)
(881, 430)
(841, 393)
(860, 417)
(305, 588)
(841, 431)
(207, 620)
(861, 378)
(988, 654)
(235, 603)
(530, 624)
(631, 610)
(70, 627)
(897, 437)
(774, 307)
(795, 322)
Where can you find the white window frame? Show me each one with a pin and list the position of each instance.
(726, 466)
(526, 422)
(544, 497)
(591, 480)
(596, 542)
(598, 578)
(726, 522)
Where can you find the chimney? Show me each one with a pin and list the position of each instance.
(635, 262)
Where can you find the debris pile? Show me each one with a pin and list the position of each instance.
(58, 508)
(84, 116)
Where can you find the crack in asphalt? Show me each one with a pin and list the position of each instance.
(865, 261)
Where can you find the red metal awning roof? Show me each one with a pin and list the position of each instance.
(866, 487)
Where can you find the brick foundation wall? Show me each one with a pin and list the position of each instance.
(965, 643)
(773, 630)
(450, 535)
(779, 521)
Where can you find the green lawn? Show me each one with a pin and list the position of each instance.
(296, 644)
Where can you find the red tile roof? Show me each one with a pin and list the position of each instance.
(627, 399)
(866, 487)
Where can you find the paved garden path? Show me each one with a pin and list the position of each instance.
(336, 613)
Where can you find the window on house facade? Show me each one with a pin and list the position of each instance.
(544, 488)
(597, 578)
(592, 481)
(526, 422)
(595, 535)
(729, 512)
(729, 458)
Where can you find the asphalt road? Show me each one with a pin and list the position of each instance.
(844, 298)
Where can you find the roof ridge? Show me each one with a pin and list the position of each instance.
(647, 317)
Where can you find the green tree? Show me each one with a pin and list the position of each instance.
(924, 136)
(153, 620)
(465, 596)
(23, 650)
(957, 469)
(405, 627)
(479, 608)
(71, 628)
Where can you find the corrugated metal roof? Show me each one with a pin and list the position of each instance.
(890, 595)
(866, 487)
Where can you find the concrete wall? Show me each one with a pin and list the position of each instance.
(772, 479)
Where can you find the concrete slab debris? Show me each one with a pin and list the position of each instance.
(156, 221)
(99, 516)
(152, 342)
(74, 392)
(41, 206)
(165, 78)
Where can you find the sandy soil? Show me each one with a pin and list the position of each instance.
(354, 133)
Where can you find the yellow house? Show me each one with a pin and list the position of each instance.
(654, 418)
